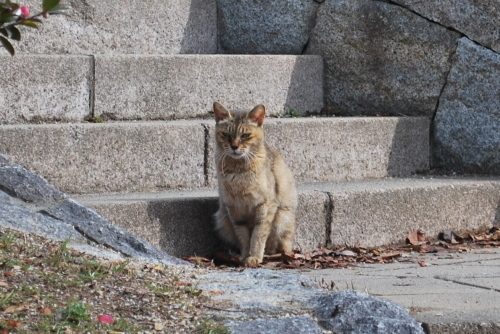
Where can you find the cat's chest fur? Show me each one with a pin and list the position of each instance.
(244, 189)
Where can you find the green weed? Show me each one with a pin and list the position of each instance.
(211, 327)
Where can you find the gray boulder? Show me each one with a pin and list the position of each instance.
(15, 216)
(293, 325)
(29, 203)
(351, 312)
(477, 19)
(381, 57)
(265, 27)
(467, 123)
(20, 183)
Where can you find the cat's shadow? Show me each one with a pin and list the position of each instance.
(187, 226)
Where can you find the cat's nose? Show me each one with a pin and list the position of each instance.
(234, 148)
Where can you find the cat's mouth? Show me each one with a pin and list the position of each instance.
(237, 153)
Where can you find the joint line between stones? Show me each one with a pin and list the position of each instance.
(92, 87)
(436, 108)
(206, 154)
(329, 218)
(466, 284)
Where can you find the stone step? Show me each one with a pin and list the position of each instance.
(371, 212)
(151, 87)
(126, 26)
(125, 157)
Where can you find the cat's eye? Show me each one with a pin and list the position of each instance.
(245, 136)
(225, 135)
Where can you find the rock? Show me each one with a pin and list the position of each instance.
(99, 230)
(265, 27)
(479, 20)
(3, 160)
(17, 181)
(358, 313)
(380, 57)
(292, 325)
(260, 299)
(17, 217)
(29, 203)
(259, 293)
(467, 122)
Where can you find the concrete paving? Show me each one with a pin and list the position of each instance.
(453, 293)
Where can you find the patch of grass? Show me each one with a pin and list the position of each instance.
(96, 119)
(117, 268)
(124, 325)
(292, 112)
(7, 299)
(49, 288)
(93, 270)
(60, 256)
(211, 327)
(6, 241)
(75, 314)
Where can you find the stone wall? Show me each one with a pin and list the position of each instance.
(434, 58)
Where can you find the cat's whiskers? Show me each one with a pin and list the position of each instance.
(221, 156)
(250, 158)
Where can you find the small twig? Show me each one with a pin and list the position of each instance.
(12, 85)
(18, 22)
(222, 309)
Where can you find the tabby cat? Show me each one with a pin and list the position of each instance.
(256, 189)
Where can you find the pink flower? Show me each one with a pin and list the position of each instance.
(25, 12)
(107, 319)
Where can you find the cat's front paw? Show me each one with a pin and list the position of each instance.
(252, 260)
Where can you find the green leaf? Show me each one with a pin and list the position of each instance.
(14, 33)
(6, 44)
(60, 9)
(30, 23)
(62, 6)
(7, 18)
(57, 12)
(48, 5)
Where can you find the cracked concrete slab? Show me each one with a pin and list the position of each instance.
(453, 292)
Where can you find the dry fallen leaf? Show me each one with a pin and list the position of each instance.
(4, 284)
(182, 283)
(416, 237)
(46, 311)
(390, 255)
(12, 323)
(17, 308)
(348, 253)
(159, 326)
(158, 267)
(195, 259)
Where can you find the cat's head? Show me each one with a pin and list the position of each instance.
(239, 134)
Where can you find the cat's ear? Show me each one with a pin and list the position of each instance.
(258, 114)
(221, 113)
